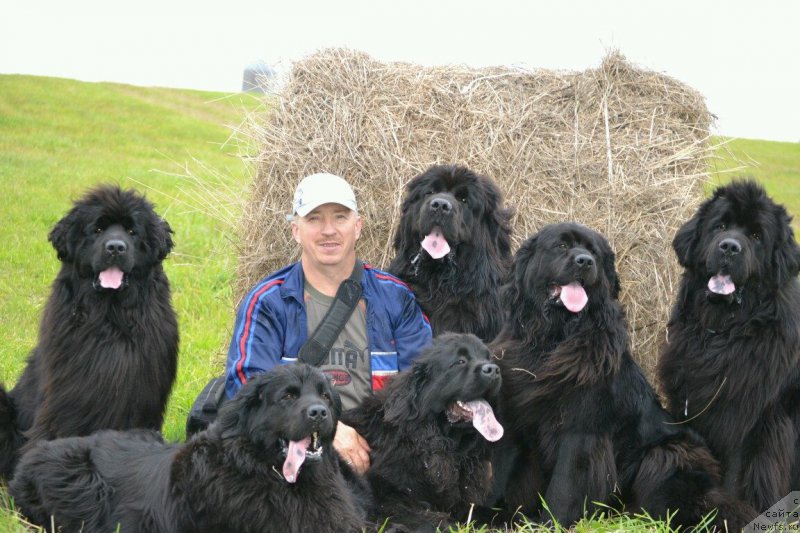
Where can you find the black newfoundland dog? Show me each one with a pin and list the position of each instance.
(583, 425)
(108, 339)
(731, 365)
(429, 431)
(453, 248)
(267, 464)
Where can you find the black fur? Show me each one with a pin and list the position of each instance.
(105, 359)
(425, 469)
(731, 366)
(228, 478)
(458, 292)
(583, 424)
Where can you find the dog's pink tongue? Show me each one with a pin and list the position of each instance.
(111, 278)
(721, 284)
(294, 458)
(484, 421)
(435, 244)
(573, 296)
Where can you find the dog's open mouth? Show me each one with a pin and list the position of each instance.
(112, 278)
(299, 451)
(435, 243)
(721, 284)
(722, 288)
(480, 413)
(572, 295)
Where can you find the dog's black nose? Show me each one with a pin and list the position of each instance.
(730, 246)
(317, 412)
(116, 247)
(584, 260)
(490, 370)
(441, 204)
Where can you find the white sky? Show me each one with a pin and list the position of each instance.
(743, 55)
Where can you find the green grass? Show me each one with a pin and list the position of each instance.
(59, 137)
(774, 164)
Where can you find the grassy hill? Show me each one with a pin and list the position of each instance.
(59, 137)
(775, 164)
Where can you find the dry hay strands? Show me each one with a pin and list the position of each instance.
(619, 148)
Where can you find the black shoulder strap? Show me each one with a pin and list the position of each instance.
(316, 348)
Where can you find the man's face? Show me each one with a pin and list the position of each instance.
(328, 235)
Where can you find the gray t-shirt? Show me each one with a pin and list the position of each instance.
(348, 363)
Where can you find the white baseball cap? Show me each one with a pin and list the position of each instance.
(322, 188)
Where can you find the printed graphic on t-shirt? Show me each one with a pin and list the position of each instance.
(348, 356)
(339, 378)
(348, 363)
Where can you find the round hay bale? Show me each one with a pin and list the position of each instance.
(617, 148)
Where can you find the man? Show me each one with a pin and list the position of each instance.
(382, 336)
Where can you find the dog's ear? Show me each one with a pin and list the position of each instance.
(404, 234)
(335, 398)
(688, 236)
(231, 426)
(786, 257)
(161, 237)
(496, 217)
(404, 402)
(500, 228)
(609, 268)
(403, 239)
(232, 419)
(513, 292)
(65, 235)
(686, 239)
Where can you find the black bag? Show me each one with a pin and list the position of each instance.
(313, 352)
(205, 407)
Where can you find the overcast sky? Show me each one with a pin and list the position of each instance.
(744, 56)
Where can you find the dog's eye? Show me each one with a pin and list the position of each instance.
(721, 226)
(98, 230)
(288, 396)
(325, 396)
(756, 236)
(461, 361)
(463, 200)
(131, 232)
(562, 245)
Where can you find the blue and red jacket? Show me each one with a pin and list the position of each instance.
(271, 326)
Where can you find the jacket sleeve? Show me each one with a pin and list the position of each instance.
(412, 331)
(257, 342)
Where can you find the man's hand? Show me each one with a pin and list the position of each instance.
(352, 447)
